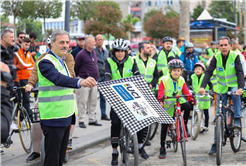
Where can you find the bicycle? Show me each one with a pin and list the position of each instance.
(181, 135)
(225, 130)
(128, 147)
(23, 122)
(172, 133)
(197, 120)
(243, 114)
(153, 130)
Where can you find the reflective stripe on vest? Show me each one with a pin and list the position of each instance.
(127, 69)
(169, 89)
(55, 102)
(226, 77)
(146, 71)
(204, 102)
(162, 59)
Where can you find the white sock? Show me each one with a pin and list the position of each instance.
(140, 146)
(115, 151)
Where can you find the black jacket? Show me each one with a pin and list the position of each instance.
(120, 65)
(6, 112)
(100, 61)
(212, 67)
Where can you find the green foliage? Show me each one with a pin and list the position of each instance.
(84, 10)
(4, 19)
(130, 19)
(149, 14)
(197, 11)
(171, 13)
(108, 3)
(240, 36)
(222, 9)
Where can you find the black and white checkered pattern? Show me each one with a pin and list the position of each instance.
(124, 113)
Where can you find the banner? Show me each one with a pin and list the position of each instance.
(134, 103)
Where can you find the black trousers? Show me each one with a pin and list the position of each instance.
(186, 107)
(56, 139)
(116, 127)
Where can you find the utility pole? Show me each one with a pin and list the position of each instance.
(244, 21)
(235, 18)
(67, 16)
(184, 20)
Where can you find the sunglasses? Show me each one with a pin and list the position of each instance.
(22, 37)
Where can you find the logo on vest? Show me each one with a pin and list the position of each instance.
(151, 65)
(129, 70)
(220, 69)
(179, 88)
(232, 65)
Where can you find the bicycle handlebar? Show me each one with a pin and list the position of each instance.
(229, 93)
(15, 88)
(174, 96)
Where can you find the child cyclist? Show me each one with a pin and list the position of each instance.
(121, 65)
(171, 83)
(196, 81)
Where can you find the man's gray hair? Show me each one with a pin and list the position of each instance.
(4, 32)
(87, 39)
(223, 38)
(58, 32)
(233, 41)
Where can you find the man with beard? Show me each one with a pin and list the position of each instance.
(86, 66)
(20, 37)
(147, 66)
(165, 55)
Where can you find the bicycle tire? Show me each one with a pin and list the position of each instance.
(25, 129)
(243, 125)
(122, 142)
(182, 140)
(195, 124)
(154, 128)
(42, 149)
(236, 137)
(174, 137)
(146, 135)
(132, 152)
(219, 132)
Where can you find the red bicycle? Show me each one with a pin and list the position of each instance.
(177, 131)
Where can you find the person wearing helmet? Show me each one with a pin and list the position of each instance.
(171, 83)
(176, 49)
(163, 56)
(49, 44)
(121, 65)
(189, 57)
(196, 80)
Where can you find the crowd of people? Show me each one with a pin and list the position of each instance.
(167, 69)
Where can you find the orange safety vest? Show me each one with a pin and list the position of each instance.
(27, 62)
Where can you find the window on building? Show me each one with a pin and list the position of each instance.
(138, 13)
(47, 25)
(51, 25)
(171, 2)
(58, 25)
(147, 3)
(158, 3)
(62, 25)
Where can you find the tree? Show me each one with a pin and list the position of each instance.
(36, 27)
(131, 20)
(184, 20)
(16, 8)
(222, 9)
(4, 20)
(84, 10)
(107, 20)
(171, 13)
(160, 25)
(197, 11)
(44, 10)
(149, 14)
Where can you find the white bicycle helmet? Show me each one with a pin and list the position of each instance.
(120, 44)
(49, 40)
(189, 45)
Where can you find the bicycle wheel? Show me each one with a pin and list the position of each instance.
(195, 124)
(243, 123)
(182, 140)
(25, 128)
(122, 143)
(131, 150)
(235, 139)
(154, 128)
(219, 132)
(146, 133)
(174, 137)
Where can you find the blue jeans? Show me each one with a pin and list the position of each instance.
(236, 106)
(26, 96)
(102, 100)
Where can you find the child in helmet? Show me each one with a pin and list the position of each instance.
(170, 83)
(196, 81)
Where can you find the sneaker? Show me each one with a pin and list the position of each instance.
(162, 153)
(114, 161)
(187, 133)
(14, 126)
(213, 150)
(82, 125)
(148, 143)
(237, 122)
(33, 157)
(2, 152)
(204, 129)
(105, 117)
(69, 144)
(143, 154)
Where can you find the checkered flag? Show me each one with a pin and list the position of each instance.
(134, 103)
